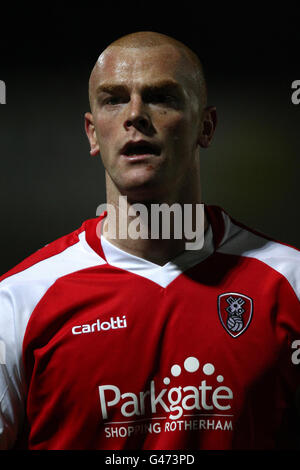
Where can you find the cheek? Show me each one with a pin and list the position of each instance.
(177, 129)
(103, 129)
(107, 126)
(105, 138)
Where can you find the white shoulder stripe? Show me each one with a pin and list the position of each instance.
(26, 288)
(73, 258)
(284, 259)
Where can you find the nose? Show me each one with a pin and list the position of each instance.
(138, 117)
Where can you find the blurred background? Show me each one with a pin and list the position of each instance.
(49, 182)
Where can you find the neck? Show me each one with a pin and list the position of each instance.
(152, 229)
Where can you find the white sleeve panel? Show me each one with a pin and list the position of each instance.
(19, 295)
(11, 390)
(282, 258)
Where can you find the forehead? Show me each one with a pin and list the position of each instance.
(143, 65)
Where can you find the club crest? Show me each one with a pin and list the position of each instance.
(235, 312)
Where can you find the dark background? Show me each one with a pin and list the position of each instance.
(49, 183)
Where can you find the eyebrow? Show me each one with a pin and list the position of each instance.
(163, 85)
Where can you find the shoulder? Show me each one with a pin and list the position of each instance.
(23, 286)
(65, 254)
(43, 254)
(238, 239)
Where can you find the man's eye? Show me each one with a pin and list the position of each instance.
(113, 100)
(162, 98)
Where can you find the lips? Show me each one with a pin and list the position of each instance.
(140, 147)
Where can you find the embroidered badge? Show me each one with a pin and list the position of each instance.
(235, 312)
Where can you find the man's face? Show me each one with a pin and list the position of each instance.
(145, 119)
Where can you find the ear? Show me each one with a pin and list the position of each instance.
(91, 133)
(208, 126)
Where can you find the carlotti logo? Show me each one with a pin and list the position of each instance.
(209, 397)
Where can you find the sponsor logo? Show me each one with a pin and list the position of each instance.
(112, 324)
(207, 398)
(235, 312)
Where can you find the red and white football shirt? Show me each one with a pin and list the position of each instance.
(105, 350)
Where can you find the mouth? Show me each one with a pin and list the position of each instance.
(140, 149)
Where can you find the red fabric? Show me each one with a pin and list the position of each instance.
(103, 388)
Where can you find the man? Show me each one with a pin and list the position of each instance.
(116, 342)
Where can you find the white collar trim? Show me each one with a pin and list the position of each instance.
(161, 275)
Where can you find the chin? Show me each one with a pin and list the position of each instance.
(140, 179)
(142, 190)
